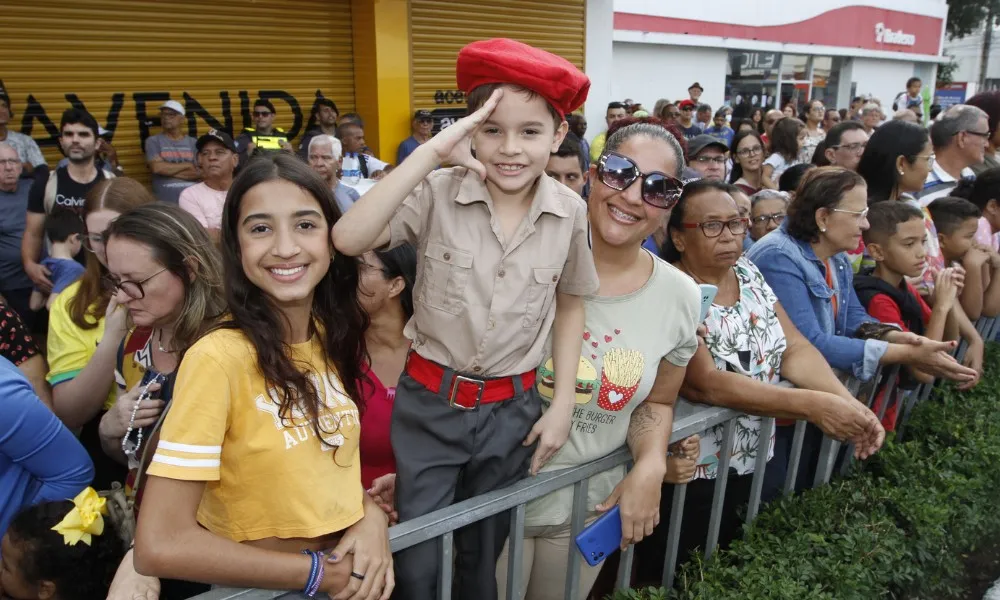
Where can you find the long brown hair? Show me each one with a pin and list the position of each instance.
(179, 243)
(338, 317)
(121, 194)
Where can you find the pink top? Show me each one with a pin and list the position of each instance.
(985, 236)
(377, 458)
(205, 204)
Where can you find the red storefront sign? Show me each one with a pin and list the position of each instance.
(848, 27)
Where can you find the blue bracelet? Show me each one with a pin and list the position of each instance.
(313, 581)
(321, 560)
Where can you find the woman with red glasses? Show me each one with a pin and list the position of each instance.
(639, 335)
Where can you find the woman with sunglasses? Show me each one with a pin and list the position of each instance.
(805, 263)
(747, 150)
(750, 345)
(166, 272)
(632, 360)
(256, 479)
(86, 327)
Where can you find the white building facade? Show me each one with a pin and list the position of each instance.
(748, 53)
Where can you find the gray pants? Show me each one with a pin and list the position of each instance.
(445, 455)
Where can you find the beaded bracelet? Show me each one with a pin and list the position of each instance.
(316, 572)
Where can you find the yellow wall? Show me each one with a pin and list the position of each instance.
(121, 59)
(382, 72)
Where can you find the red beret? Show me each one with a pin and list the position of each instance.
(506, 61)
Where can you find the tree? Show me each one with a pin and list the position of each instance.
(967, 16)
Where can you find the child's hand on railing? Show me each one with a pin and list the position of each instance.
(682, 460)
(383, 492)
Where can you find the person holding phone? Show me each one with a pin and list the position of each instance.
(164, 269)
(633, 356)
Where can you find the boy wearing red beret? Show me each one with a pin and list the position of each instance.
(503, 258)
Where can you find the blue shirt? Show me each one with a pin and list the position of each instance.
(798, 278)
(40, 460)
(721, 133)
(406, 148)
(650, 244)
(13, 210)
(64, 272)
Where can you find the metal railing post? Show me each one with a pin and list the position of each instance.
(795, 456)
(515, 551)
(674, 535)
(719, 493)
(577, 520)
(760, 464)
(447, 566)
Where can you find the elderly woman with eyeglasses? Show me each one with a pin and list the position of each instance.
(805, 263)
(767, 212)
(749, 346)
(86, 327)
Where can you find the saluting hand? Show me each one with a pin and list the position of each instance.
(453, 145)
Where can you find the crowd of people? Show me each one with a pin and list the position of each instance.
(277, 352)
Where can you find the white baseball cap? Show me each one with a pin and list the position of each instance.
(174, 106)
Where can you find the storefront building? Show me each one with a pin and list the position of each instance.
(380, 58)
(768, 52)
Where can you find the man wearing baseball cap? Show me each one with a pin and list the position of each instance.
(218, 159)
(170, 155)
(420, 127)
(707, 155)
(686, 121)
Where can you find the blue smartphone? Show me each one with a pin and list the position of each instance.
(601, 538)
(708, 293)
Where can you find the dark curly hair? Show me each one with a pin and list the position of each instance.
(822, 187)
(79, 572)
(336, 313)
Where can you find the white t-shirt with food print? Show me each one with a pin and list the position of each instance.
(745, 338)
(624, 340)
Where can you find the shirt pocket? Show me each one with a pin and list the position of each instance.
(445, 274)
(541, 291)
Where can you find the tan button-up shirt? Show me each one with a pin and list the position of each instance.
(484, 305)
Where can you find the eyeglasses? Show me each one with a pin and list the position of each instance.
(713, 229)
(92, 238)
(931, 159)
(817, 109)
(860, 214)
(9, 162)
(857, 147)
(719, 160)
(658, 189)
(982, 134)
(258, 113)
(778, 219)
(752, 151)
(132, 289)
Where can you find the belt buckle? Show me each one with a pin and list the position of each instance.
(453, 393)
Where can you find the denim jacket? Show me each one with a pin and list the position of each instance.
(798, 278)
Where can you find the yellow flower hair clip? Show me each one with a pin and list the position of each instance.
(84, 520)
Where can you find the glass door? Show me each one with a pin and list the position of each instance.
(796, 80)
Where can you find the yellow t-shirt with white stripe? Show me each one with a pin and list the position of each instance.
(267, 476)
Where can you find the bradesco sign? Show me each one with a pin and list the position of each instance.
(884, 35)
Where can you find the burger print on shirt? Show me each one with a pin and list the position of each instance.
(621, 372)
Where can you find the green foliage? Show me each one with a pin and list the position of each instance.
(898, 527)
(967, 16)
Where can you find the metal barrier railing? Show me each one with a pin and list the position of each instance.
(689, 419)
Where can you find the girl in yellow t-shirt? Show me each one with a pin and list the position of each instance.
(257, 461)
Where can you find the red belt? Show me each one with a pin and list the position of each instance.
(462, 391)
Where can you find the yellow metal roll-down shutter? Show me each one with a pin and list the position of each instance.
(439, 29)
(121, 59)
